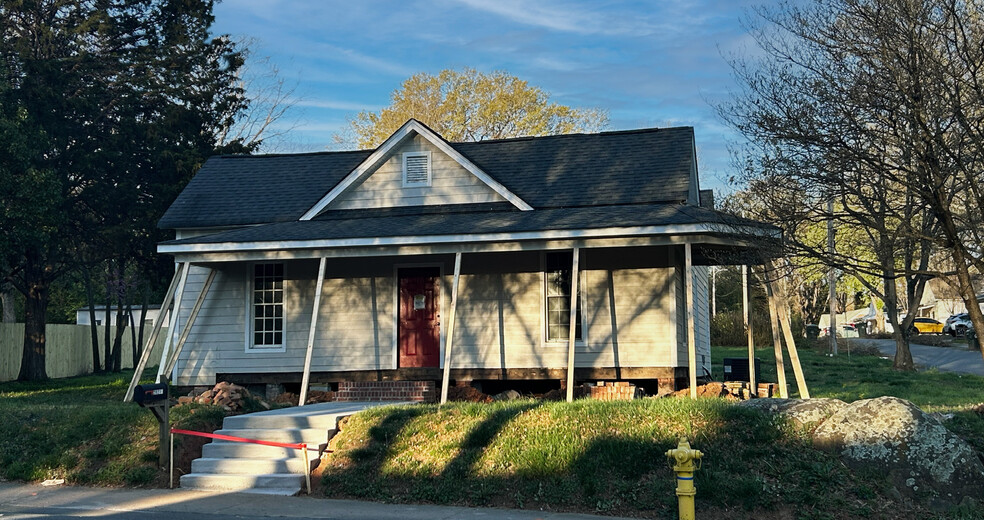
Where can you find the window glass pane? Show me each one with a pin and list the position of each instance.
(557, 279)
(268, 308)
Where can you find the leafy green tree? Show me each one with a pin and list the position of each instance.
(474, 106)
(106, 110)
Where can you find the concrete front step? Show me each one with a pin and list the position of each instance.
(254, 468)
(223, 466)
(312, 436)
(322, 415)
(234, 450)
(271, 483)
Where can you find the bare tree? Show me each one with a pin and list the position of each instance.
(844, 106)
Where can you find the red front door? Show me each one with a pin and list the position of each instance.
(420, 317)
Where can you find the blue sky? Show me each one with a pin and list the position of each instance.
(649, 63)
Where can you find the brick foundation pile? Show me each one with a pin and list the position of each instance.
(417, 391)
(225, 394)
(614, 391)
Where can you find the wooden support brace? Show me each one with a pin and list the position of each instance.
(572, 336)
(783, 308)
(306, 378)
(173, 358)
(175, 311)
(776, 342)
(158, 323)
(446, 378)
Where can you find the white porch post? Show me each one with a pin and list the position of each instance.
(745, 298)
(173, 358)
(158, 322)
(572, 337)
(691, 320)
(179, 294)
(446, 379)
(306, 378)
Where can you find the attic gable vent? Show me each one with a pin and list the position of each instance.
(416, 169)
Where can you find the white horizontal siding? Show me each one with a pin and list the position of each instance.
(630, 315)
(450, 183)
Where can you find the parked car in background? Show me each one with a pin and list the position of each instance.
(957, 324)
(926, 326)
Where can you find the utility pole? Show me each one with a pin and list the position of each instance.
(832, 277)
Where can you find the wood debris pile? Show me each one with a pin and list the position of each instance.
(229, 396)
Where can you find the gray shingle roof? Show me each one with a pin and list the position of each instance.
(451, 220)
(611, 168)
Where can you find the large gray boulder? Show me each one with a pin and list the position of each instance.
(892, 435)
(803, 412)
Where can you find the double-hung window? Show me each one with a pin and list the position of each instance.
(557, 292)
(267, 307)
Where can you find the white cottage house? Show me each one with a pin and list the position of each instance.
(394, 254)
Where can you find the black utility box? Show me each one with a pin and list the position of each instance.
(736, 369)
(150, 394)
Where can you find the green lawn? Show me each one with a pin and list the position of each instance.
(80, 429)
(607, 457)
(587, 456)
(850, 377)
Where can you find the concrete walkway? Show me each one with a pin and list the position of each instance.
(23, 501)
(946, 359)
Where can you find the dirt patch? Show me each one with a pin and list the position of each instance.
(468, 394)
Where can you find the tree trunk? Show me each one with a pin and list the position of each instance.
(107, 345)
(143, 320)
(35, 289)
(133, 335)
(93, 328)
(7, 303)
(118, 337)
(903, 357)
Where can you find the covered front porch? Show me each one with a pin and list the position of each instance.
(498, 311)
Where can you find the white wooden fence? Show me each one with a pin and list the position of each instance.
(68, 349)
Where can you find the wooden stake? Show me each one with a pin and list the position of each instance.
(158, 323)
(173, 358)
(446, 379)
(572, 337)
(306, 378)
(691, 319)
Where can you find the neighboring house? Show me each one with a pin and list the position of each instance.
(82, 315)
(387, 225)
(941, 300)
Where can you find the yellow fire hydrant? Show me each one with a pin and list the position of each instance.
(685, 462)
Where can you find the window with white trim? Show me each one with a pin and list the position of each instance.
(416, 169)
(557, 297)
(267, 306)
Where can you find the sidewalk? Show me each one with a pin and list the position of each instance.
(19, 500)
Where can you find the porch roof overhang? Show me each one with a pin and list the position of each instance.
(402, 231)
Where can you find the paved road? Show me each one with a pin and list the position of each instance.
(947, 359)
(27, 501)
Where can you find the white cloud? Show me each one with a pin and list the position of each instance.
(566, 17)
(331, 104)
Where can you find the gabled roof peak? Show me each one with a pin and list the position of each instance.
(411, 127)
